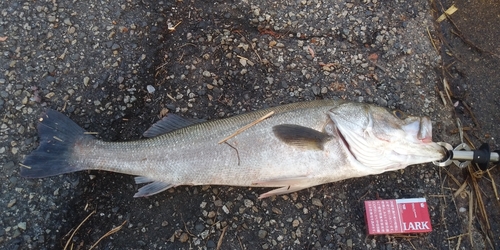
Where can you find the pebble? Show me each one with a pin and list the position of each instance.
(243, 62)
(315, 90)
(16, 233)
(120, 79)
(50, 95)
(225, 209)
(67, 22)
(203, 204)
(115, 46)
(276, 210)
(86, 81)
(349, 243)
(199, 227)
(248, 203)
(337, 220)
(11, 203)
(270, 80)
(22, 225)
(211, 244)
(218, 203)
(211, 214)
(262, 234)
(150, 89)
(317, 202)
(184, 237)
(298, 232)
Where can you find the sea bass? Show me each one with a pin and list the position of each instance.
(297, 146)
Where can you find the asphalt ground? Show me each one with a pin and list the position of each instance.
(115, 66)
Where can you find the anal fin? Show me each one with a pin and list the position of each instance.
(289, 185)
(282, 190)
(151, 188)
(143, 179)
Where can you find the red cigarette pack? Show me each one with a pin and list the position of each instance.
(397, 216)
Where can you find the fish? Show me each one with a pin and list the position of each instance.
(289, 148)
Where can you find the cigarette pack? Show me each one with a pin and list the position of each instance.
(397, 216)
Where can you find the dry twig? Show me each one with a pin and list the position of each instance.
(246, 127)
(432, 40)
(219, 242)
(76, 230)
(471, 217)
(460, 189)
(452, 9)
(493, 185)
(110, 232)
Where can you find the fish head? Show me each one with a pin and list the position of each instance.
(381, 140)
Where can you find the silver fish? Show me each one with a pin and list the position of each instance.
(299, 146)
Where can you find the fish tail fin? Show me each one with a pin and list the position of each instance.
(58, 136)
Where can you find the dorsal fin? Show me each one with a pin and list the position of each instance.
(169, 123)
(299, 136)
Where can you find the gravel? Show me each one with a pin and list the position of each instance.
(113, 67)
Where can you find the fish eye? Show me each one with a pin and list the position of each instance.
(399, 114)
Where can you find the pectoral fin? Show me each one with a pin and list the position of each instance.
(290, 185)
(302, 137)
